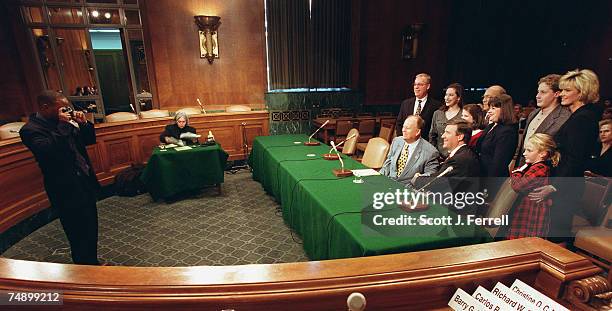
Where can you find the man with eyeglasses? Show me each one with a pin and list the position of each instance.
(419, 105)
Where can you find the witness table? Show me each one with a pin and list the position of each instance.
(329, 212)
(171, 172)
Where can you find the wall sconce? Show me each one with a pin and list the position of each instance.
(209, 47)
(410, 40)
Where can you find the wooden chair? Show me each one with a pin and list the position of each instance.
(385, 133)
(190, 111)
(237, 108)
(501, 205)
(350, 145)
(343, 126)
(10, 130)
(375, 153)
(595, 243)
(121, 116)
(154, 113)
(366, 129)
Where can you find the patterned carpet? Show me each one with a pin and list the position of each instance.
(239, 227)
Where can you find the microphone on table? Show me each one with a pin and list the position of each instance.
(342, 142)
(200, 104)
(446, 171)
(330, 155)
(309, 143)
(340, 172)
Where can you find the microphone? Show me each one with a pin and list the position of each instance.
(310, 137)
(200, 104)
(338, 153)
(342, 142)
(446, 171)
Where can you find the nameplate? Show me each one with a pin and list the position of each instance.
(510, 299)
(462, 301)
(537, 299)
(489, 301)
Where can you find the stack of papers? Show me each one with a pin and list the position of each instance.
(365, 172)
(182, 148)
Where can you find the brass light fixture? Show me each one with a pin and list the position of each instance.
(410, 40)
(209, 47)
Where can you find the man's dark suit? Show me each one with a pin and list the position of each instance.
(464, 176)
(407, 109)
(550, 125)
(70, 181)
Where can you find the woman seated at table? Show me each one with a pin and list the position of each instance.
(172, 132)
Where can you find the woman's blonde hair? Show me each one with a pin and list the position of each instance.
(545, 142)
(585, 81)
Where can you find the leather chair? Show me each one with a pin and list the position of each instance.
(190, 111)
(10, 130)
(594, 232)
(375, 153)
(343, 126)
(121, 116)
(385, 133)
(501, 204)
(366, 129)
(154, 113)
(237, 108)
(350, 145)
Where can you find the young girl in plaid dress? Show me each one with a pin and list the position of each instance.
(531, 218)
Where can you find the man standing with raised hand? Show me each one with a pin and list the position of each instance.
(57, 138)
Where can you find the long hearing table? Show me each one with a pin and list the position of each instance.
(334, 215)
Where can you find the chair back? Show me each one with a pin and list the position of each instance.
(501, 204)
(154, 113)
(190, 111)
(237, 108)
(351, 145)
(366, 129)
(386, 133)
(10, 130)
(594, 199)
(343, 126)
(375, 153)
(121, 116)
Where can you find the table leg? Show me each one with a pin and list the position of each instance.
(220, 189)
(325, 136)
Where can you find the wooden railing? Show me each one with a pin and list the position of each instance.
(412, 281)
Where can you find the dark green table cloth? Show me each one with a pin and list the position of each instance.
(171, 172)
(333, 215)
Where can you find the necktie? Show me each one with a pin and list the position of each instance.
(401, 161)
(419, 107)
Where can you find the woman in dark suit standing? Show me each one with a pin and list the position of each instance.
(497, 145)
(577, 142)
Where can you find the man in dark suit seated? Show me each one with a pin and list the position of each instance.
(420, 105)
(57, 138)
(410, 154)
(460, 172)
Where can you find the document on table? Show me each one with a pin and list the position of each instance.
(182, 148)
(365, 172)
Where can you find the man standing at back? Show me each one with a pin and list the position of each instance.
(420, 105)
(57, 139)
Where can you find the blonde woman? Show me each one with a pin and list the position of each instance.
(577, 143)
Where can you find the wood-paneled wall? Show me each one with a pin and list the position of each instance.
(118, 145)
(237, 77)
(385, 78)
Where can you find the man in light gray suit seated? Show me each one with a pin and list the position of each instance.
(410, 154)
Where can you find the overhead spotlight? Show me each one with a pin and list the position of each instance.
(107, 15)
(95, 13)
